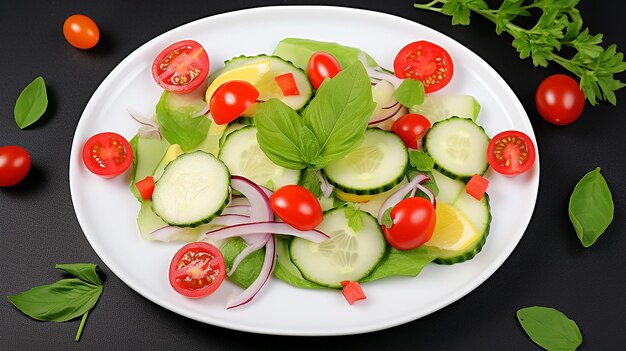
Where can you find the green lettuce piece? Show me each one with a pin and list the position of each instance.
(298, 51)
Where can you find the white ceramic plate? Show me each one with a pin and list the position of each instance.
(107, 211)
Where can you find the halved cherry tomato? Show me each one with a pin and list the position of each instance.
(287, 84)
(197, 270)
(559, 99)
(81, 31)
(231, 99)
(511, 152)
(424, 61)
(321, 66)
(297, 206)
(107, 154)
(181, 67)
(14, 165)
(413, 223)
(411, 129)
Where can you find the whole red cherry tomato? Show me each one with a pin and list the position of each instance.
(81, 31)
(413, 223)
(321, 66)
(411, 129)
(297, 206)
(559, 99)
(14, 165)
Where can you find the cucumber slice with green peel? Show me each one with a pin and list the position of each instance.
(267, 86)
(194, 189)
(243, 156)
(347, 255)
(449, 189)
(478, 212)
(376, 166)
(458, 146)
(440, 107)
(231, 128)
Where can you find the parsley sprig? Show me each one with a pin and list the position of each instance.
(559, 26)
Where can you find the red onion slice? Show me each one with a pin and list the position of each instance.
(146, 121)
(259, 203)
(241, 210)
(252, 228)
(247, 251)
(325, 187)
(256, 286)
(385, 115)
(230, 219)
(428, 193)
(400, 194)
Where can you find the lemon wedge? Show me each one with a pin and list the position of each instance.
(172, 152)
(251, 73)
(453, 231)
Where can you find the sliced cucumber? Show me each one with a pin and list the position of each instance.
(478, 213)
(439, 107)
(449, 189)
(458, 146)
(193, 189)
(231, 128)
(376, 166)
(243, 156)
(267, 86)
(347, 255)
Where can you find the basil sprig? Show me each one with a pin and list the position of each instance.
(591, 207)
(31, 104)
(64, 300)
(550, 328)
(332, 125)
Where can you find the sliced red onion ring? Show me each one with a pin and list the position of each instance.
(428, 193)
(166, 233)
(385, 115)
(256, 286)
(242, 210)
(252, 228)
(400, 194)
(260, 209)
(325, 187)
(391, 105)
(247, 251)
(142, 119)
(230, 219)
(377, 73)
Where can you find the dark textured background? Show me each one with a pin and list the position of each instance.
(549, 267)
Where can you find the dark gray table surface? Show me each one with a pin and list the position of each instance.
(38, 227)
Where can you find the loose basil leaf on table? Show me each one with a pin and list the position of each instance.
(550, 328)
(31, 103)
(64, 300)
(591, 207)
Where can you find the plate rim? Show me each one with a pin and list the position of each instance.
(388, 323)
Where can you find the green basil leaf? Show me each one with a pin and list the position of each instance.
(309, 146)
(340, 111)
(31, 103)
(279, 134)
(402, 262)
(309, 180)
(410, 93)
(179, 122)
(355, 220)
(249, 268)
(58, 302)
(421, 161)
(286, 271)
(87, 272)
(550, 328)
(386, 219)
(591, 207)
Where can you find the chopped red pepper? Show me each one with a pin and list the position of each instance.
(287, 84)
(477, 186)
(352, 291)
(145, 187)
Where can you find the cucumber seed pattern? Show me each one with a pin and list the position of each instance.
(342, 249)
(365, 159)
(254, 162)
(456, 146)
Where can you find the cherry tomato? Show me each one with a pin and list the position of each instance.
(181, 67)
(231, 99)
(559, 99)
(424, 61)
(197, 270)
(81, 31)
(413, 223)
(14, 165)
(297, 206)
(511, 152)
(107, 154)
(321, 66)
(411, 129)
